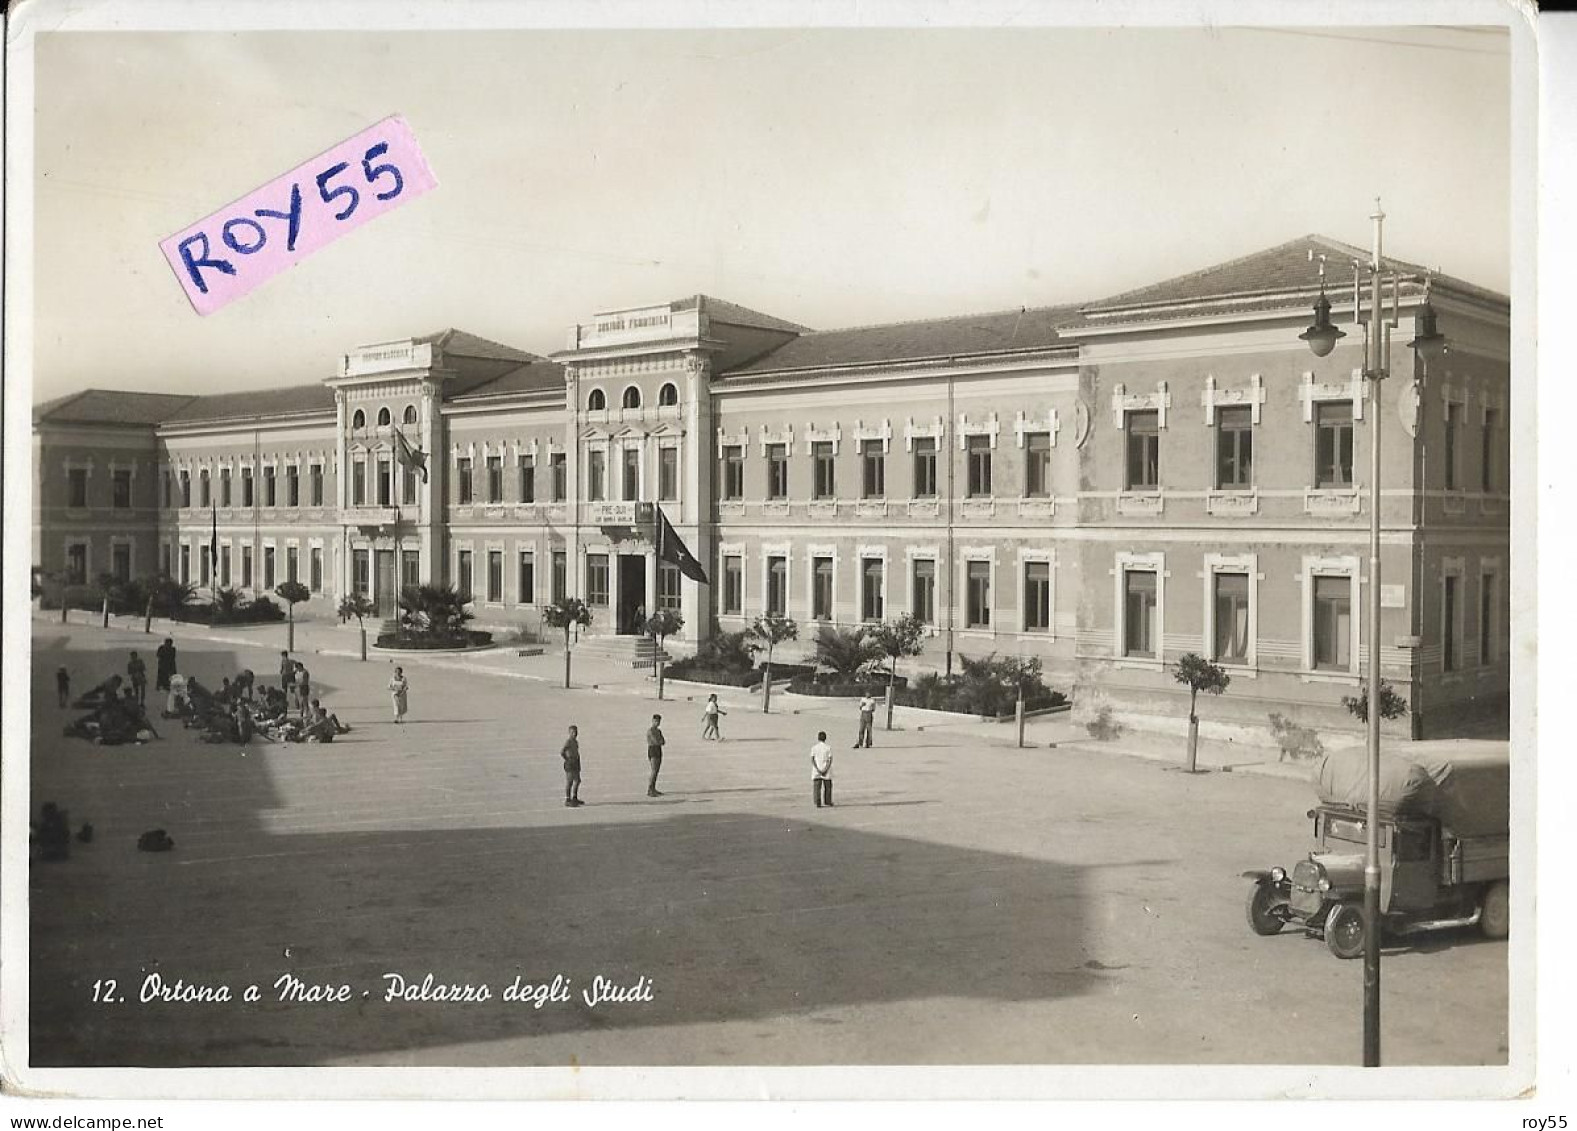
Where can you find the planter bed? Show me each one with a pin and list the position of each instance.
(470, 642)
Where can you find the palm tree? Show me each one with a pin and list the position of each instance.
(771, 629)
(1200, 675)
(844, 652)
(434, 610)
(293, 593)
(361, 607)
(662, 624)
(566, 614)
(896, 639)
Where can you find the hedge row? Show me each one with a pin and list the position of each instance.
(422, 642)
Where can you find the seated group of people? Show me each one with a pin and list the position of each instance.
(114, 715)
(274, 721)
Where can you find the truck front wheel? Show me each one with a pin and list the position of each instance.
(1495, 912)
(1266, 909)
(1344, 930)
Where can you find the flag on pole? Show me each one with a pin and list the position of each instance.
(671, 549)
(213, 546)
(409, 457)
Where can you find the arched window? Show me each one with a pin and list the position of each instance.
(597, 401)
(668, 394)
(632, 397)
(384, 418)
(410, 414)
(359, 421)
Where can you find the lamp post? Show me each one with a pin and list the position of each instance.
(1427, 343)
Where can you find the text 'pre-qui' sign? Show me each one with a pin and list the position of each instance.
(224, 256)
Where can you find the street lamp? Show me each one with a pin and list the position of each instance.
(1429, 344)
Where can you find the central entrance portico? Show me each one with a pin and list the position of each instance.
(633, 606)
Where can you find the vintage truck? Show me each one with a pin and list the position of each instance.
(1444, 821)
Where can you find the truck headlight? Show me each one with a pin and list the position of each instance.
(1325, 883)
(1277, 875)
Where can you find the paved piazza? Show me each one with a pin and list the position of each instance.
(965, 902)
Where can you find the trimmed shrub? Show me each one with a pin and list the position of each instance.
(427, 642)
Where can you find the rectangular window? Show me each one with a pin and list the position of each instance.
(1037, 596)
(1037, 465)
(1453, 428)
(120, 563)
(205, 566)
(77, 483)
(1143, 445)
(528, 479)
(315, 569)
(407, 485)
(186, 565)
(821, 589)
(1487, 456)
(1234, 449)
(292, 563)
(120, 489)
(668, 596)
(873, 470)
(667, 474)
(733, 472)
(733, 585)
(224, 486)
(1450, 643)
(246, 567)
(495, 574)
(631, 472)
(462, 481)
(410, 569)
(204, 496)
(1231, 613)
(164, 559)
(463, 573)
(1333, 444)
(978, 594)
(596, 476)
(825, 478)
(923, 591)
(978, 452)
(1333, 623)
(77, 564)
(293, 485)
(268, 567)
(558, 579)
(925, 467)
(385, 483)
(872, 596)
(777, 471)
(596, 579)
(169, 491)
(361, 572)
(358, 483)
(246, 486)
(777, 586)
(495, 479)
(186, 489)
(270, 485)
(1488, 637)
(1140, 634)
(526, 581)
(315, 480)
(558, 470)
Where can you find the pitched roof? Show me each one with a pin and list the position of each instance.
(316, 397)
(474, 361)
(529, 378)
(1286, 268)
(110, 406)
(733, 314)
(457, 343)
(1029, 328)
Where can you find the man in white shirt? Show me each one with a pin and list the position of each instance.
(821, 771)
(867, 721)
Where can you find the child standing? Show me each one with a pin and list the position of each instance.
(821, 771)
(571, 755)
(63, 686)
(709, 717)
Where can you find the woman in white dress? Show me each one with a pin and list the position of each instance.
(398, 687)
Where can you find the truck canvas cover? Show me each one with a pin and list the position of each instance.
(1465, 785)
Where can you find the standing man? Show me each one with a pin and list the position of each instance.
(821, 771)
(287, 673)
(137, 672)
(654, 754)
(867, 720)
(571, 756)
(303, 688)
(165, 656)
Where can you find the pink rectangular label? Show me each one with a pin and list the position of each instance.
(223, 256)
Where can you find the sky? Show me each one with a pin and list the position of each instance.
(833, 177)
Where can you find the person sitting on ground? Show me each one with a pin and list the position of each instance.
(321, 728)
(137, 715)
(339, 727)
(52, 833)
(106, 692)
(175, 705)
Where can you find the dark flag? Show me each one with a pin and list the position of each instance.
(408, 456)
(213, 546)
(671, 549)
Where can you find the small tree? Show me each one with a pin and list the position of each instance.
(108, 586)
(227, 605)
(1392, 705)
(661, 625)
(1199, 674)
(170, 596)
(771, 630)
(1020, 674)
(566, 614)
(292, 593)
(360, 606)
(896, 639)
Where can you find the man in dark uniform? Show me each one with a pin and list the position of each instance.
(137, 672)
(654, 754)
(165, 655)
